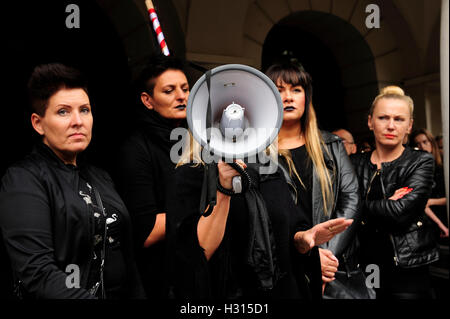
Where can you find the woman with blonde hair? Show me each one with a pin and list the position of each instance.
(323, 180)
(250, 244)
(395, 184)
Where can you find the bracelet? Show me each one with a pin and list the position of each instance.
(223, 190)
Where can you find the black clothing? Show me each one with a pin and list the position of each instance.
(438, 191)
(395, 234)
(346, 202)
(402, 219)
(261, 254)
(114, 269)
(48, 227)
(227, 274)
(144, 178)
(304, 166)
(345, 197)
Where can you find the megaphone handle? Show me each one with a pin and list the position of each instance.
(241, 182)
(237, 184)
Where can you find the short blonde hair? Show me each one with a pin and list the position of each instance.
(393, 92)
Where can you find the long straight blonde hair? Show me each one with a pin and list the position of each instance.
(294, 74)
(192, 151)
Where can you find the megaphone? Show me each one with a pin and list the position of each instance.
(246, 111)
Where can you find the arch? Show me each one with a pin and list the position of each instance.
(383, 53)
(339, 60)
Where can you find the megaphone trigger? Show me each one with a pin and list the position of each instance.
(237, 184)
(240, 183)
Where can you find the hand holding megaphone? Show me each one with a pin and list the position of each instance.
(227, 173)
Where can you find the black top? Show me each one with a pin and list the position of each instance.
(375, 240)
(114, 268)
(144, 173)
(303, 165)
(226, 274)
(438, 191)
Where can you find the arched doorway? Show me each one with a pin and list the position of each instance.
(339, 60)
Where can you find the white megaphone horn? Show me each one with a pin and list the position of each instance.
(246, 111)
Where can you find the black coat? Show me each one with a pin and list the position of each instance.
(346, 204)
(144, 177)
(47, 226)
(403, 219)
(227, 275)
(346, 201)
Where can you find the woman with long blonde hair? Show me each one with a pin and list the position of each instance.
(321, 174)
(247, 245)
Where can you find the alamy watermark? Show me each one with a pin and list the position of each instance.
(373, 278)
(73, 19)
(73, 277)
(373, 19)
(229, 151)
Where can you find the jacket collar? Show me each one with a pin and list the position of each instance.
(405, 152)
(366, 159)
(329, 138)
(159, 128)
(47, 153)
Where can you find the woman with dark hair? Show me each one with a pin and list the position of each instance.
(395, 184)
(435, 208)
(66, 230)
(323, 177)
(145, 170)
(440, 143)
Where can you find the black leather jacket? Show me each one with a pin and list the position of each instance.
(47, 226)
(403, 219)
(346, 198)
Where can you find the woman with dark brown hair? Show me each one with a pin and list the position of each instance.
(435, 208)
(323, 180)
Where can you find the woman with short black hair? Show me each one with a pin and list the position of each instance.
(66, 230)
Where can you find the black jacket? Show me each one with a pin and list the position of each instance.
(47, 226)
(345, 190)
(346, 200)
(404, 219)
(144, 177)
(346, 204)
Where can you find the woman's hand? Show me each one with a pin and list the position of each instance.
(320, 234)
(444, 232)
(329, 265)
(211, 229)
(434, 218)
(399, 193)
(226, 173)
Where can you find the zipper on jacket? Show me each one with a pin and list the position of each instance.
(377, 172)
(347, 268)
(395, 250)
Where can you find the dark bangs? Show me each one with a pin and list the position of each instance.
(290, 74)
